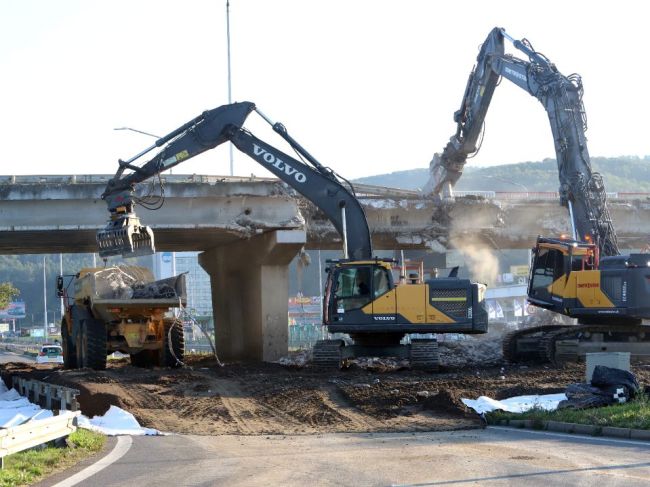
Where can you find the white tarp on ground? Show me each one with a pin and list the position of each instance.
(115, 422)
(16, 409)
(518, 404)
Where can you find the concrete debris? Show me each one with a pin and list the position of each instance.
(130, 282)
(472, 351)
(378, 364)
(154, 290)
(296, 360)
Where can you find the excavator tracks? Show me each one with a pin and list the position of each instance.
(424, 355)
(574, 342)
(564, 344)
(327, 353)
(526, 345)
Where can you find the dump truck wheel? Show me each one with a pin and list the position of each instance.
(92, 352)
(173, 335)
(69, 347)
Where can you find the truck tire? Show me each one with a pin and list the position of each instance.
(175, 336)
(69, 347)
(91, 345)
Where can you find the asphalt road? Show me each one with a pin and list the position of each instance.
(6, 356)
(492, 457)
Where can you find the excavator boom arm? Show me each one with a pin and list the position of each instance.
(124, 234)
(581, 190)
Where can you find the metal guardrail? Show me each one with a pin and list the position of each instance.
(545, 195)
(45, 394)
(34, 433)
(22, 348)
(363, 190)
(104, 178)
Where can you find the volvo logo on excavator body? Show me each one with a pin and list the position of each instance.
(278, 163)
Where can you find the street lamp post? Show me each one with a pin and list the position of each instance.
(138, 131)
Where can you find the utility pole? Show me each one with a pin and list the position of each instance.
(44, 303)
(232, 166)
(61, 274)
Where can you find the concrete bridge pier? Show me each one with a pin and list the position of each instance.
(250, 291)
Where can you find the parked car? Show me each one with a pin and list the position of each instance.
(50, 354)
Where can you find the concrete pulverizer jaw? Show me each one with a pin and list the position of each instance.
(126, 237)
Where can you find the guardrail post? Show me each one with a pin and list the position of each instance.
(48, 396)
(65, 399)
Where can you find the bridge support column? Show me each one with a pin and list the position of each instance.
(250, 294)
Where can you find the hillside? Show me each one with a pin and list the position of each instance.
(627, 174)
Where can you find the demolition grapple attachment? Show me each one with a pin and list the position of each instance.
(125, 236)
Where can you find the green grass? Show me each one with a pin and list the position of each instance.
(29, 466)
(634, 414)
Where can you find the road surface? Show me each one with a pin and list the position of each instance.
(6, 357)
(491, 457)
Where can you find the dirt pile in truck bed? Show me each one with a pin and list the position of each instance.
(270, 398)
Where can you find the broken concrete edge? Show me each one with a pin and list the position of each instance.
(576, 428)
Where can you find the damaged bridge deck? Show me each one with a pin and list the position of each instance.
(49, 214)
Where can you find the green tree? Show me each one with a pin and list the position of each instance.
(7, 293)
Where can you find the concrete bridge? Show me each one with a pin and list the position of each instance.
(250, 229)
(51, 214)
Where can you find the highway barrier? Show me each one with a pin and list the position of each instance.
(36, 432)
(47, 395)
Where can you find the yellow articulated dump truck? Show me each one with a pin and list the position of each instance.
(121, 309)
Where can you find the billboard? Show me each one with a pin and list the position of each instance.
(15, 310)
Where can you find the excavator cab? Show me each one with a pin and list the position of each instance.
(353, 285)
(556, 267)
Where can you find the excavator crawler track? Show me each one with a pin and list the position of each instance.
(424, 355)
(534, 350)
(327, 353)
(572, 343)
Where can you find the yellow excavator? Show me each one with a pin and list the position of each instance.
(362, 298)
(582, 276)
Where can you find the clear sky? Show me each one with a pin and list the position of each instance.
(367, 86)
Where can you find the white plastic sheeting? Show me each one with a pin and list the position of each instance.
(517, 404)
(16, 409)
(115, 422)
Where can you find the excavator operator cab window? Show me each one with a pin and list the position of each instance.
(380, 281)
(353, 290)
(547, 267)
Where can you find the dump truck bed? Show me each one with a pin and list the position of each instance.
(137, 303)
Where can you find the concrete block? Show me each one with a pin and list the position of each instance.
(617, 432)
(517, 423)
(614, 360)
(640, 434)
(585, 429)
(559, 426)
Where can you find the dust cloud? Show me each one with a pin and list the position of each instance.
(483, 264)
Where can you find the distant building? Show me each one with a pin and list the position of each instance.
(199, 295)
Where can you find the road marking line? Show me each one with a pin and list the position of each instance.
(572, 435)
(120, 449)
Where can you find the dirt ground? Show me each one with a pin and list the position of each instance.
(263, 398)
